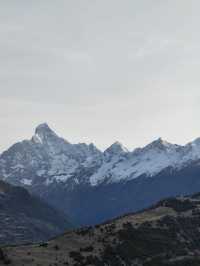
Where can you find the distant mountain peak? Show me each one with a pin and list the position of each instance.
(159, 144)
(42, 133)
(43, 128)
(196, 142)
(116, 148)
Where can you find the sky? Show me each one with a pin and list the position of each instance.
(100, 70)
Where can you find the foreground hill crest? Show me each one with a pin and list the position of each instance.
(166, 234)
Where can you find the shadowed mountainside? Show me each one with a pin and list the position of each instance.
(25, 218)
(166, 234)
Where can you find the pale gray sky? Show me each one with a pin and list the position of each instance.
(100, 70)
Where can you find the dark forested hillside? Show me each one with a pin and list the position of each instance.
(25, 218)
(166, 234)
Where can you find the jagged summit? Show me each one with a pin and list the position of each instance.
(116, 148)
(44, 127)
(159, 144)
(42, 133)
(196, 142)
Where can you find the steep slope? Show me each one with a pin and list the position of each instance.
(166, 234)
(24, 218)
(148, 161)
(46, 159)
(93, 204)
(91, 186)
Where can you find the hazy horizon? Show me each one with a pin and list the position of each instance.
(100, 71)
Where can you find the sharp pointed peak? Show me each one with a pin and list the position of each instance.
(43, 127)
(161, 141)
(42, 132)
(195, 142)
(159, 144)
(116, 147)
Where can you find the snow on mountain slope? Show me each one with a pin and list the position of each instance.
(148, 161)
(48, 159)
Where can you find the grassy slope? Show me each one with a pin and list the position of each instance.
(167, 234)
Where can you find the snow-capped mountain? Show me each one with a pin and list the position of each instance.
(47, 158)
(73, 177)
(148, 161)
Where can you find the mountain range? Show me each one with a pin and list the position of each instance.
(90, 185)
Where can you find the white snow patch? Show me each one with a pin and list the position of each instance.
(26, 182)
(37, 139)
(62, 178)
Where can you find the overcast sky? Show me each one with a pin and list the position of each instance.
(100, 70)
